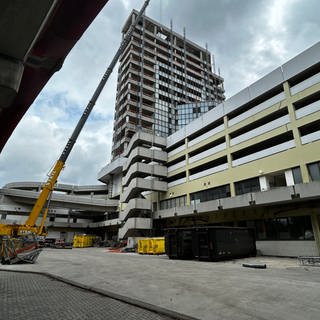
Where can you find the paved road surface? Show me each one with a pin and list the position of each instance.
(204, 290)
(32, 296)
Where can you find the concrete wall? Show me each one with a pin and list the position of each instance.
(287, 248)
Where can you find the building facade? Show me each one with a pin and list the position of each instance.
(159, 69)
(253, 160)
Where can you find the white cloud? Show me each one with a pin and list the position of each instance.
(248, 38)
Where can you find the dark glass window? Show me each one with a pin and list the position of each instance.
(288, 228)
(314, 171)
(173, 203)
(211, 194)
(278, 180)
(297, 177)
(246, 186)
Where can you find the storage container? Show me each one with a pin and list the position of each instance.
(222, 243)
(178, 243)
(83, 240)
(210, 243)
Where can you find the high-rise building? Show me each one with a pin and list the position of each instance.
(159, 70)
(251, 161)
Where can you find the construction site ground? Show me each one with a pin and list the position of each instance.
(203, 290)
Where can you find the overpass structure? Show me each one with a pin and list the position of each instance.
(89, 198)
(72, 208)
(35, 38)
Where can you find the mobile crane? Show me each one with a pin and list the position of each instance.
(18, 241)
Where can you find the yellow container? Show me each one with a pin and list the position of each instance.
(83, 240)
(151, 246)
(143, 246)
(158, 245)
(140, 246)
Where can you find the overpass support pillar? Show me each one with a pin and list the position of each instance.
(315, 221)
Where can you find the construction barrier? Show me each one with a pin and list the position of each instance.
(83, 240)
(151, 246)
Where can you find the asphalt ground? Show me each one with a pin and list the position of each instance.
(204, 290)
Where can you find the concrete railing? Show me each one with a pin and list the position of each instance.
(142, 170)
(260, 107)
(145, 153)
(290, 194)
(314, 136)
(260, 130)
(208, 153)
(134, 224)
(264, 153)
(145, 138)
(206, 135)
(305, 84)
(308, 109)
(139, 184)
(134, 205)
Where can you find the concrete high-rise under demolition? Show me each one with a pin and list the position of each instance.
(160, 70)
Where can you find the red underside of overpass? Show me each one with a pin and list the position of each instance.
(63, 29)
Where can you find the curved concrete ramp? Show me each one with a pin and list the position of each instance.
(75, 197)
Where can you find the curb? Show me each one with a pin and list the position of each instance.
(134, 302)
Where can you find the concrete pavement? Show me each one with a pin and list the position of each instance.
(25, 296)
(205, 290)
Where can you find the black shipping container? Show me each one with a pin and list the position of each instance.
(178, 243)
(210, 243)
(222, 243)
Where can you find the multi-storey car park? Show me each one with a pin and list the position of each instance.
(159, 70)
(253, 160)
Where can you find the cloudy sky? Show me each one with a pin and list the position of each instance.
(249, 38)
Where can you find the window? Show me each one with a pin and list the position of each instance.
(246, 186)
(211, 194)
(173, 203)
(277, 180)
(314, 171)
(297, 177)
(287, 228)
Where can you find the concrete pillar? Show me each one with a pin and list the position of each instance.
(289, 177)
(292, 115)
(188, 202)
(264, 183)
(232, 189)
(187, 159)
(315, 221)
(229, 157)
(304, 173)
